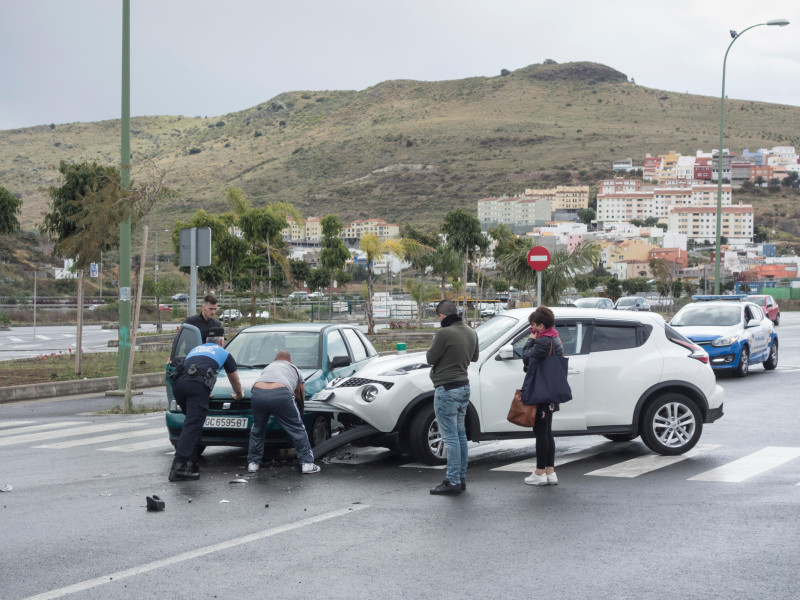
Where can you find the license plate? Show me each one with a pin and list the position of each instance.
(225, 423)
(323, 395)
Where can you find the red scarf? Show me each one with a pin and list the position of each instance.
(549, 332)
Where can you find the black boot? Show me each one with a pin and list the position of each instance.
(191, 464)
(181, 471)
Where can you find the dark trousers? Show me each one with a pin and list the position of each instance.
(192, 396)
(279, 403)
(545, 442)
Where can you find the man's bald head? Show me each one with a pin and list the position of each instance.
(283, 355)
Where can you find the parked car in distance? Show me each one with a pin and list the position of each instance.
(768, 305)
(632, 303)
(320, 351)
(736, 334)
(230, 315)
(181, 297)
(594, 303)
(663, 389)
(164, 307)
(260, 314)
(298, 295)
(317, 296)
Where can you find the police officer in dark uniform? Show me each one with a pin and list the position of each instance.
(192, 391)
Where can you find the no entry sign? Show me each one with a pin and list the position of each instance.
(538, 258)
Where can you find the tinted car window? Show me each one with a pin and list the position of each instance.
(370, 348)
(572, 337)
(359, 352)
(336, 345)
(187, 339)
(607, 337)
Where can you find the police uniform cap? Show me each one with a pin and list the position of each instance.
(216, 332)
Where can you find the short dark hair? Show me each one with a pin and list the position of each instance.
(446, 308)
(542, 316)
(209, 299)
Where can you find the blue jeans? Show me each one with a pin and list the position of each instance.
(450, 407)
(280, 404)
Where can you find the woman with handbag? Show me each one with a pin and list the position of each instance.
(545, 384)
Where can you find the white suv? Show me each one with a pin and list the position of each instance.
(631, 374)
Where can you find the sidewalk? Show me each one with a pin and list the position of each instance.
(55, 389)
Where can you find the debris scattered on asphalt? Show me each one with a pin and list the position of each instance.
(224, 501)
(106, 494)
(190, 500)
(266, 506)
(6, 488)
(154, 503)
(238, 481)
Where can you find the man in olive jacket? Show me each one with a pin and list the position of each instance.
(454, 347)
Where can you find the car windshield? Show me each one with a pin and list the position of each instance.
(720, 316)
(626, 301)
(586, 302)
(256, 349)
(757, 299)
(492, 330)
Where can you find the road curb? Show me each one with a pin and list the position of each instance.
(56, 389)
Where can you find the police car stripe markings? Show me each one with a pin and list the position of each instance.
(104, 438)
(649, 462)
(42, 427)
(749, 466)
(46, 435)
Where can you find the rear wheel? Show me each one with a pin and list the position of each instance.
(425, 439)
(671, 425)
(620, 437)
(772, 361)
(778, 319)
(744, 363)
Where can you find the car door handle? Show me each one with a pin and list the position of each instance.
(573, 372)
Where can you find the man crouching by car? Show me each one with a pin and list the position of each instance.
(192, 391)
(454, 346)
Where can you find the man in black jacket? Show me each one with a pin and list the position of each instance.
(454, 347)
(205, 320)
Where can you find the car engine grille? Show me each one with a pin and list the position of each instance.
(357, 381)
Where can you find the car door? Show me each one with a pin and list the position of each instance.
(336, 355)
(188, 337)
(760, 342)
(499, 377)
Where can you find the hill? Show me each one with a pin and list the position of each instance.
(407, 151)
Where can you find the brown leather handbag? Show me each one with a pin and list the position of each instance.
(521, 414)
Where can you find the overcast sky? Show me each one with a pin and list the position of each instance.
(60, 59)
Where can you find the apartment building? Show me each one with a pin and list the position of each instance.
(642, 203)
(699, 223)
(675, 255)
(311, 229)
(519, 213)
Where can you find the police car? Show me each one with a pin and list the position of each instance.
(735, 333)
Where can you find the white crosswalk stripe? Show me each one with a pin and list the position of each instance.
(5, 424)
(528, 465)
(15, 339)
(42, 427)
(750, 465)
(42, 337)
(46, 435)
(104, 438)
(649, 462)
(159, 443)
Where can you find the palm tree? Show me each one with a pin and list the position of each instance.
(374, 248)
(558, 276)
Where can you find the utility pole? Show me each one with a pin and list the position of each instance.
(124, 348)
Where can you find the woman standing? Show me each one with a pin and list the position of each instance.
(542, 342)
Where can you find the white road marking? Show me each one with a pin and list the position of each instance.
(524, 466)
(37, 437)
(15, 339)
(14, 423)
(649, 462)
(479, 451)
(162, 442)
(179, 558)
(42, 427)
(104, 438)
(750, 465)
(42, 337)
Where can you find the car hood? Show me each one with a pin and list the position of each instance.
(704, 333)
(392, 362)
(248, 377)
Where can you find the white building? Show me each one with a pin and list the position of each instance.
(699, 223)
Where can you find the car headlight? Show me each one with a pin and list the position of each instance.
(725, 341)
(369, 393)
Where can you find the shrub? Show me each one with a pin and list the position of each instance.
(220, 124)
(194, 150)
(504, 72)
(4, 320)
(257, 134)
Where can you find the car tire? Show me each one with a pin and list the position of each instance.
(425, 440)
(744, 363)
(320, 430)
(620, 437)
(777, 320)
(772, 360)
(671, 425)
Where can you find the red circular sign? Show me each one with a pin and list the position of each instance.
(538, 258)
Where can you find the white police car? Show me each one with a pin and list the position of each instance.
(734, 332)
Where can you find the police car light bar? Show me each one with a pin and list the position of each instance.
(730, 297)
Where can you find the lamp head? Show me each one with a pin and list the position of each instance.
(778, 22)
(733, 34)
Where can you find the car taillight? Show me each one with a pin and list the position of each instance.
(696, 351)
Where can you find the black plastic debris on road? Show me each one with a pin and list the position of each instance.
(154, 503)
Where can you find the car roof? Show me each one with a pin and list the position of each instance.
(300, 327)
(569, 312)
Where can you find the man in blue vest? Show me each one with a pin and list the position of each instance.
(192, 392)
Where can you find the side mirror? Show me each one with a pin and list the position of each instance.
(339, 361)
(753, 323)
(505, 353)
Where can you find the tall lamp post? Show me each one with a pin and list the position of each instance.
(155, 261)
(735, 36)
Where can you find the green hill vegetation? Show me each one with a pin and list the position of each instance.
(407, 151)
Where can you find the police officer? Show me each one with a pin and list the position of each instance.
(192, 392)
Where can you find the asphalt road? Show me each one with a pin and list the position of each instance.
(721, 522)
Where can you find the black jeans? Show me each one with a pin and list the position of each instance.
(192, 396)
(545, 442)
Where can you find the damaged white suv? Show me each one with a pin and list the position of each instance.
(631, 374)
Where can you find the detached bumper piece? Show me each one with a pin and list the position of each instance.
(155, 503)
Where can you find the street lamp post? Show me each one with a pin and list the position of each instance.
(735, 36)
(155, 255)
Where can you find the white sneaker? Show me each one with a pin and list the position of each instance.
(534, 479)
(310, 468)
(552, 479)
(253, 468)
